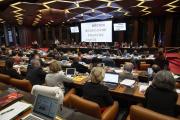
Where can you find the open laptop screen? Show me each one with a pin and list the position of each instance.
(111, 78)
(70, 71)
(150, 71)
(46, 106)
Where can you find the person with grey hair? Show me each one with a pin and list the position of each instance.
(161, 95)
(36, 75)
(127, 72)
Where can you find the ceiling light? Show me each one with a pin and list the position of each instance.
(109, 4)
(171, 6)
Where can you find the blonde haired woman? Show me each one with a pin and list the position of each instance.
(95, 91)
(56, 76)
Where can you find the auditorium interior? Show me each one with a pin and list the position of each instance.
(90, 59)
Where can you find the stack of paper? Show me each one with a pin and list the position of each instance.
(13, 110)
(128, 82)
(142, 88)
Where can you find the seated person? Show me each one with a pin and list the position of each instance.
(8, 69)
(155, 69)
(94, 63)
(79, 67)
(56, 76)
(95, 91)
(35, 55)
(108, 61)
(36, 75)
(161, 95)
(17, 58)
(127, 73)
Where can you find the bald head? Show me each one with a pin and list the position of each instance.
(128, 67)
(156, 68)
(35, 63)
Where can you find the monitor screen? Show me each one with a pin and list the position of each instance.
(150, 71)
(96, 31)
(119, 26)
(70, 71)
(46, 106)
(111, 77)
(74, 29)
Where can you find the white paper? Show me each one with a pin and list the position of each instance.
(118, 71)
(142, 88)
(128, 82)
(17, 107)
(176, 76)
(178, 90)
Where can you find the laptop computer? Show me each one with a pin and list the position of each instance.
(45, 108)
(111, 80)
(70, 72)
(150, 71)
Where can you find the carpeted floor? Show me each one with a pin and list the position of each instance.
(174, 62)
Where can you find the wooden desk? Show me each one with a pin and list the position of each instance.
(132, 94)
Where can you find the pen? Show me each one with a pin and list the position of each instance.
(7, 111)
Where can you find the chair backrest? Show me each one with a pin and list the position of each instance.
(2, 63)
(50, 91)
(85, 106)
(144, 66)
(5, 78)
(21, 84)
(141, 113)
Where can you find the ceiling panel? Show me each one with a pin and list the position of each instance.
(39, 12)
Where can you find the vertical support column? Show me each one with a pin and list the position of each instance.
(5, 34)
(168, 31)
(14, 35)
(39, 36)
(150, 32)
(46, 36)
(121, 37)
(60, 33)
(53, 35)
(135, 31)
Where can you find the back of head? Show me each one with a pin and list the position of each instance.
(76, 59)
(95, 60)
(9, 63)
(164, 80)
(97, 74)
(54, 67)
(156, 68)
(128, 67)
(35, 63)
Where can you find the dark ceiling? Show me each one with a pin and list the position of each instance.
(38, 12)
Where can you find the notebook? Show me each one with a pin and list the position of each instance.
(111, 80)
(9, 98)
(70, 72)
(45, 108)
(14, 110)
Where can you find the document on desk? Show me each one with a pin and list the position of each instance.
(14, 110)
(128, 82)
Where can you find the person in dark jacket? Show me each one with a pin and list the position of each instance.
(161, 95)
(79, 67)
(95, 91)
(8, 69)
(36, 75)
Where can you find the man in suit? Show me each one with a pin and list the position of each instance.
(9, 70)
(79, 67)
(36, 75)
(127, 73)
